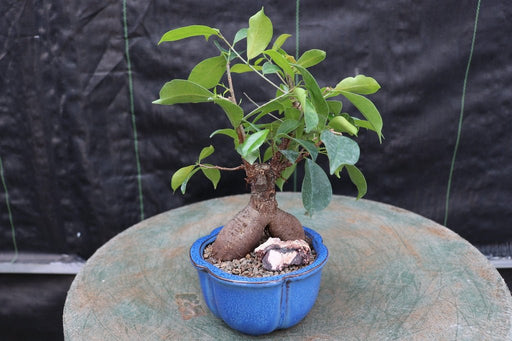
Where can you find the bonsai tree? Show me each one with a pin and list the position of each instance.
(300, 124)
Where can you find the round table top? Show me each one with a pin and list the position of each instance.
(391, 275)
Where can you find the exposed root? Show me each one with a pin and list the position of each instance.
(285, 226)
(240, 235)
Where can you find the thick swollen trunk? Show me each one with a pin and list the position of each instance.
(242, 233)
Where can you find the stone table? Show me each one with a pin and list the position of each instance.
(391, 275)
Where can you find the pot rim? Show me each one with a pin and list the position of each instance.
(196, 256)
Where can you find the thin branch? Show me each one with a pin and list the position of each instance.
(230, 82)
(247, 63)
(250, 99)
(272, 100)
(222, 168)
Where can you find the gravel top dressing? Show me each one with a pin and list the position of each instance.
(250, 265)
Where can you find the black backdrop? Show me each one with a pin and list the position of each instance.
(67, 110)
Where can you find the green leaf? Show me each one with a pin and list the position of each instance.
(242, 68)
(301, 95)
(285, 175)
(205, 152)
(357, 178)
(183, 91)
(368, 109)
(309, 146)
(189, 31)
(270, 68)
(341, 150)
(359, 84)
(337, 172)
(287, 126)
(183, 187)
(234, 112)
(314, 90)
(259, 34)
(280, 41)
(273, 105)
(229, 132)
(269, 152)
(208, 72)
(292, 113)
(311, 57)
(280, 61)
(363, 124)
(342, 125)
(310, 116)
(213, 174)
(251, 145)
(335, 107)
(316, 188)
(180, 176)
(290, 155)
(241, 34)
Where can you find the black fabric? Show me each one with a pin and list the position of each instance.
(67, 142)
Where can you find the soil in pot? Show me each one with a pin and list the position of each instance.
(251, 265)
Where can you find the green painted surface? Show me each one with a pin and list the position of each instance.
(391, 275)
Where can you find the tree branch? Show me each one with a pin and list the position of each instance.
(222, 168)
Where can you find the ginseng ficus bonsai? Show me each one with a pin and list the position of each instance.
(300, 124)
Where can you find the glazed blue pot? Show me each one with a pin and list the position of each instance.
(258, 306)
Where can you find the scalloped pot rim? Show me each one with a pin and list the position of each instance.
(196, 256)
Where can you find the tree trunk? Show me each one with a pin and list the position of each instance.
(243, 232)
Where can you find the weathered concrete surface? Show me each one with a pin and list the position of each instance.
(392, 275)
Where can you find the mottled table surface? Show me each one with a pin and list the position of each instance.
(391, 275)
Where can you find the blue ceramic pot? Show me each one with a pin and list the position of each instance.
(259, 305)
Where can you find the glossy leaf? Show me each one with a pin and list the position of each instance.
(311, 57)
(314, 91)
(213, 174)
(269, 152)
(335, 107)
(183, 91)
(259, 34)
(241, 34)
(341, 150)
(309, 147)
(316, 188)
(292, 113)
(287, 126)
(275, 104)
(285, 175)
(205, 152)
(357, 178)
(234, 112)
(310, 116)
(300, 94)
(183, 187)
(290, 155)
(228, 132)
(359, 84)
(180, 175)
(242, 68)
(251, 145)
(368, 109)
(208, 72)
(189, 31)
(342, 125)
(278, 59)
(270, 68)
(280, 41)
